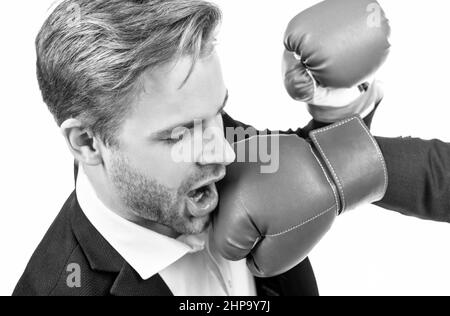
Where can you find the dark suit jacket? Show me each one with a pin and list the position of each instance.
(72, 239)
(419, 175)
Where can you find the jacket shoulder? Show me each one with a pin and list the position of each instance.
(59, 266)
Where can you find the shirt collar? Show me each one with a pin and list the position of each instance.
(146, 251)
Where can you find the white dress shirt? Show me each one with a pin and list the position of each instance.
(188, 265)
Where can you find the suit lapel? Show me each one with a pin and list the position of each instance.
(103, 257)
(129, 283)
(99, 253)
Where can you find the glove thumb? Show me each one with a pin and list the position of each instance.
(298, 81)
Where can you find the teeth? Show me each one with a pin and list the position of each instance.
(200, 194)
(198, 197)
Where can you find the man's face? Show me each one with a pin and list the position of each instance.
(146, 174)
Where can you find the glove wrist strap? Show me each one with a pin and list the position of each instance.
(354, 160)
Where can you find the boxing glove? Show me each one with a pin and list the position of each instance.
(274, 219)
(331, 49)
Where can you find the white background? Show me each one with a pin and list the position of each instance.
(368, 252)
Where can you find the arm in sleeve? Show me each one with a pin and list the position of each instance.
(232, 126)
(419, 177)
(232, 136)
(419, 171)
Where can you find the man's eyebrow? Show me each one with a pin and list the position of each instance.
(188, 125)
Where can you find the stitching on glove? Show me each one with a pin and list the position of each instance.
(339, 184)
(304, 223)
(377, 148)
(380, 156)
(325, 129)
(336, 199)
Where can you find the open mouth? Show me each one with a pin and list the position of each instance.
(203, 201)
(200, 194)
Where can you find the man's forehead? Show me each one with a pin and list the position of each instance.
(164, 101)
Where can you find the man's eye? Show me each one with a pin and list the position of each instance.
(174, 140)
(177, 136)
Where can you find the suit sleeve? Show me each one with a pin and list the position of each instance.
(232, 136)
(236, 131)
(419, 177)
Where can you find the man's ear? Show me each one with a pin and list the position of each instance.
(81, 141)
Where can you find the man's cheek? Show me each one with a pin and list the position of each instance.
(169, 173)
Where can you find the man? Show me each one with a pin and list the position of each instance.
(119, 83)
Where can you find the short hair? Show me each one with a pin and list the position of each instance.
(90, 53)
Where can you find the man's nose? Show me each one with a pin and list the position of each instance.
(216, 149)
